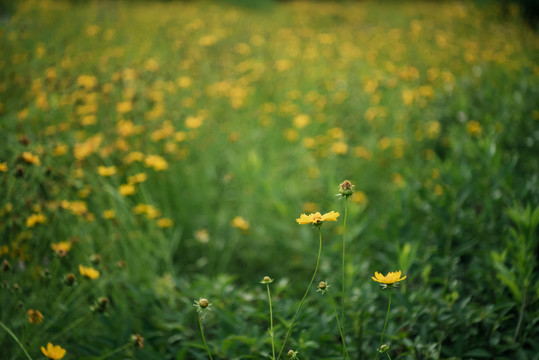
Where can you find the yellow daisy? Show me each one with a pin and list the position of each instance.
(317, 219)
(89, 272)
(53, 351)
(389, 279)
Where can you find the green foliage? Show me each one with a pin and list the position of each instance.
(170, 146)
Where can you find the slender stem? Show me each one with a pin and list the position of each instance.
(387, 353)
(115, 351)
(271, 324)
(522, 307)
(16, 339)
(339, 324)
(203, 338)
(343, 268)
(384, 331)
(304, 296)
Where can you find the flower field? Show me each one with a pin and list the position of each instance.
(160, 155)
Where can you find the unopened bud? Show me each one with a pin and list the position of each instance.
(6, 266)
(203, 303)
(70, 279)
(346, 188)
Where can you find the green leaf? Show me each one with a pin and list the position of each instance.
(478, 353)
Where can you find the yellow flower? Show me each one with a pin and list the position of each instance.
(193, 122)
(339, 148)
(165, 223)
(59, 150)
(474, 128)
(106, 171)
(301, 120)
(30, 158)
(137, 178)
(109, 214)
(35, 316)
(390, 278)
(155, 161)
(124, 107)
(3, 166)
(34, 219)
(317, 219)
(53, 351)
(127, 189)
(89, 272)
(240, 223)
(61, 248)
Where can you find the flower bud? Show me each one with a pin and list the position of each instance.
(322, 285)
(6, 266)
(70, 279)
(19, 171)
(24, 140)
(292, 355)
(100, 305)
(95, 259)
(346, 188)
(203, 303)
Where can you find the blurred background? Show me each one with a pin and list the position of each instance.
(156, 152)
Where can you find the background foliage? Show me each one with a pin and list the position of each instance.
(239, 119)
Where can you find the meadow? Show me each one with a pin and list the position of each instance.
(153, 154)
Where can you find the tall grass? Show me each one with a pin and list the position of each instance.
(239, 119)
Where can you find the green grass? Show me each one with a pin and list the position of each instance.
(260, 112)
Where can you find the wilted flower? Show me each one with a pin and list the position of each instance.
(138, 340)
(34, 316)
(346, 189)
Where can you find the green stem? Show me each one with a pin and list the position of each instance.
(345, 351)
(271, 324)
(115, 351)
(343, 267)
(304, 296)
(16, 339)
(203, 338)
(384, 331)
(522, 307)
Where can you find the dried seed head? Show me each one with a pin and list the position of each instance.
(137, 340)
